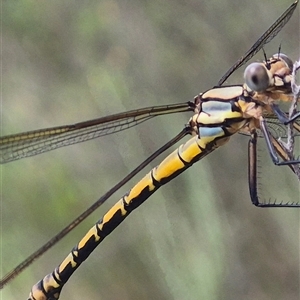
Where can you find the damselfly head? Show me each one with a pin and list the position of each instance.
(272, 75)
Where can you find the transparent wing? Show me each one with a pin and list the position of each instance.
(17, 146)
(279, 130)
(264, 39)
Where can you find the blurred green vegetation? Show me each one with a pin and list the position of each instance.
(199, 237)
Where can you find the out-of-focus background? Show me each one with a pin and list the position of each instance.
(199, 237)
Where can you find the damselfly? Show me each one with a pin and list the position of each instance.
(199, 177)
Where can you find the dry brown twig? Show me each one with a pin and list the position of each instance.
(289, 146)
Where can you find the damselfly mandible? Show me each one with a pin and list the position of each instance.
(147, 213)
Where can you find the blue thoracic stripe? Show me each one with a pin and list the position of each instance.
(210, 131)
(213, 106)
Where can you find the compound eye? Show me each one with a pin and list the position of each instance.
(256, 77)
(286, 59)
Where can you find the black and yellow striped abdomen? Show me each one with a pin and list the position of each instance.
(178, 161)
(215, 121)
